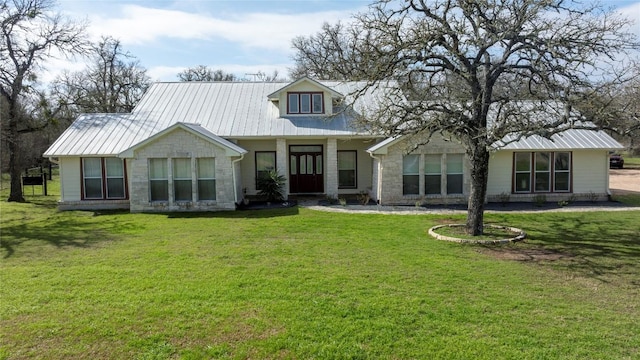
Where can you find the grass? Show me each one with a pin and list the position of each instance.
(298, 284)
(631, 162)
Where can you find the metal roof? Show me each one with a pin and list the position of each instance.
(234, 110)
(226, 109)
(570, 139)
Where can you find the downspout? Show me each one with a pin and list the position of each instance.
(233, 177)
(378, 179)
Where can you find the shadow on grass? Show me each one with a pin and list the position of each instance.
(65, 232)
(249, 214)
(596, 246)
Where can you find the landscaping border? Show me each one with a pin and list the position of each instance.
(521, 235)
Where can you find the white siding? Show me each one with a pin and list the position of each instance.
(590, 171)
(70, 180)
(500, 164)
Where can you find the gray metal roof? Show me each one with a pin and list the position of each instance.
(226, 109)
(570, 139)
(236, 110)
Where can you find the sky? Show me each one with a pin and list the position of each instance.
(238, 36)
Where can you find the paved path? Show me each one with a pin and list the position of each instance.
(623, 181)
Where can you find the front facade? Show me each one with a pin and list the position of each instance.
(202, 146)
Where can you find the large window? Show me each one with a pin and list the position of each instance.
(411, 175)
(454, 173)
(182, 179)
(265, 163)
(441, 174)
(158, 180)
(432, 174)
(103, 178)
(542, 172)
(305, 103)
(347, 165)
(206, 179)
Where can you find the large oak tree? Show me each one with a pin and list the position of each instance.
(30, 32)
(476, 70)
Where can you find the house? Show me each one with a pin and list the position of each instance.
(200, 146)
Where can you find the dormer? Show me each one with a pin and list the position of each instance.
(305, 97)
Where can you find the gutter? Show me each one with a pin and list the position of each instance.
(233, 176)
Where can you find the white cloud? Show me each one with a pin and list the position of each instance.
(141, 25)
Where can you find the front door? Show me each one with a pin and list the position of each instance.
(306, 169)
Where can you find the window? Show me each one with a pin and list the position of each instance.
(305, 103)
(454, 173)
(347, 169)
(182, 179)
(265, 163)
(158, 180)
(562, 172)
(410, 175)
(114, 178)
(522, 172)
(92, 172)
(103, 178)
(206, 179)
(547, 171)
(432, 174)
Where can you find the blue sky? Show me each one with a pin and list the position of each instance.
(238, 36)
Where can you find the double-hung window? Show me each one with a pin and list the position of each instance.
(411, 174)
(158, 180)
(265, 163)
(522, 172)
(206, 179)
(103, 178)
(432, 174)
(182, 179)
(454, 173)
(562, 172)
(347, 165)
(305, 103)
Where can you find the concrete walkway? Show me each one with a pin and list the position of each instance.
(489, 208)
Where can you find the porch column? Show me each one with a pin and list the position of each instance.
(282, 161)
(331, 169)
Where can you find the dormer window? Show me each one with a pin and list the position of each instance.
(305, 103)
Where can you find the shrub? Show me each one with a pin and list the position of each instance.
(272, 186)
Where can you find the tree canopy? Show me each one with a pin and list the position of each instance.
(30, 33)
(113, 81)
(464, 68)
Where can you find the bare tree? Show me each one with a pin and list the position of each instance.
(114, 81)
(614, 106)
(204, 73)
(466, 67)
(30, 33)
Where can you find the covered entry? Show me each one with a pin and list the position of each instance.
(306, 169)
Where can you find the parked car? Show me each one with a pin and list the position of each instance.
(616, 161)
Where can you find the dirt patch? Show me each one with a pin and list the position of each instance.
(519, 254)
(624, 181)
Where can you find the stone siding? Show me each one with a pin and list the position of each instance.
(180, 144)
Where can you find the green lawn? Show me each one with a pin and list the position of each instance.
(300, 284)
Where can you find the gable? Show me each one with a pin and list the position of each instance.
(304, 97)
(202, 135)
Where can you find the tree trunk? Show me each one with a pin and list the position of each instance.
(479, 176)
(15, 170)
